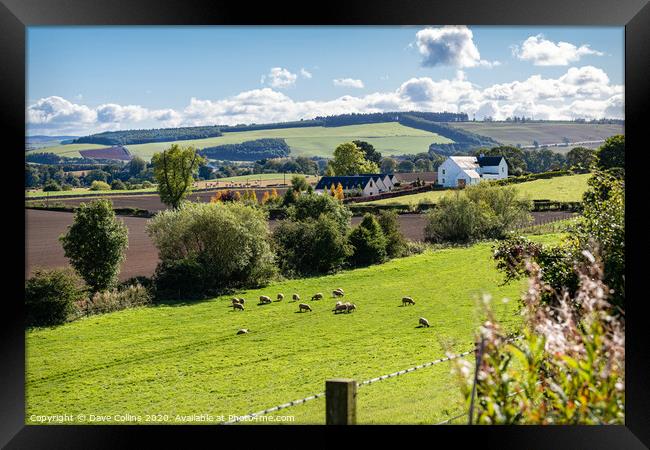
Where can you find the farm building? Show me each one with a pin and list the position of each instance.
(410, 177)
(368, 184)
(466, 170)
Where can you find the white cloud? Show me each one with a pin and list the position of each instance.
(543, 52)
(348, 82)
(581, 92)
(305, 73)
(449, 46)
(279, 78)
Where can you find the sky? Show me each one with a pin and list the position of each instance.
(83, 80)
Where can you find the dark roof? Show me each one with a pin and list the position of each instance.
(348, 182)
(489, 160)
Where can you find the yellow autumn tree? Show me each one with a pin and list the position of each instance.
(216, 198)
(332, 190)
(265, 197)
(274, 194)
(339, 192)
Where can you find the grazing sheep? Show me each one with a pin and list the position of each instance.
(339, 307)
(265, 299)
(280, 297)
(340, 290)
(237, 306)
(351, 307)
(242, 300)
(317, 296)
(296, 297)
(407, 301)
(424, 322)
(337, 293)
(242, 331)
(235, 301)
(304, 306)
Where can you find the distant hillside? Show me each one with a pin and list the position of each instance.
(248, 150)
(145, 136)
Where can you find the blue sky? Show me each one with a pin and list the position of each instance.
(168, 76)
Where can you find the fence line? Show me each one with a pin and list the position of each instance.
(363, 383)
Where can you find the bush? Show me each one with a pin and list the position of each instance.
(114, 300)
(118, 185)
(311, 206)
(147, 184)
(96, 243)
(51, 186)
(99, 186)
(50, 296)
(311, 246)
(484, 211)
(396, 244)
(454, 220)
(217, 245)
(369, 243)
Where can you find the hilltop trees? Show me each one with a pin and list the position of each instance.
(96, 243)
(174, 169)
(351, 160)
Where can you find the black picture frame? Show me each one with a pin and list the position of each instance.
(16, 15)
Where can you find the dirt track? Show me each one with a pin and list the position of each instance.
(42, 248)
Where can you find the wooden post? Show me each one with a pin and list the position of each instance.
(340, 401)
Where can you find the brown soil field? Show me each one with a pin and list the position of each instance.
(42, 248)
(151, 202)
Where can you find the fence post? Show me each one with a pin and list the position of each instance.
(340, 401)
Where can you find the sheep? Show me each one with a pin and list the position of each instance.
(304, 306)
(407, 301)
(340, 307)
(235, 301)
(296, 297)
(238, 306)
(317, 296)
(424, 322)
(351, 307)
(337, 293)
(340, 290)
(280, 297)
(264, 299)
(242, 331)
(242, 300)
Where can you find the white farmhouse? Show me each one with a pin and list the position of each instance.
(368, 184)
(460, 171)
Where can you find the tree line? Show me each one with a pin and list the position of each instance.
(249, 150)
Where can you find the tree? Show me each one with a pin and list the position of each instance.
(581, 157)
(50, 296)
(368, 241)
(313, 205)
(339, 192)
(96, 243)
(612, 153)
(396, 245)
(174, 169)
(51, 185)
(369, 151)
(118, 185)
(136, 166)
(406, 166)
(514, 157)
(299, 183)
(206, 172)
(350, 160)
(388, 165)
(99, 186)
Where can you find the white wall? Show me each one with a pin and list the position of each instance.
(451, 172)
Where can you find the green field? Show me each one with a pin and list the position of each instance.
(563, 189)
(82, 192)
(389, 138)
(543, 132)
(186, 358)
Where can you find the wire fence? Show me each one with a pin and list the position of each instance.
(301, 401)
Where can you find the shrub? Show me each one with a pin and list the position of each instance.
(313, 205)
(99, 186)
(118, 185)
(454, 220)
(51, 185)
(50, 296)
(311, 246)
(502, 209)
(66, 187)
(147, 184)
(226, 244)
(181, 279)
(96, 243)
(114, 300)
(368, 241)
(396, 244)
(571, 360)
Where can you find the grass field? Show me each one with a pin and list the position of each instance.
(183, 359)
(389, 138)
(544, 133)
(564, 189)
